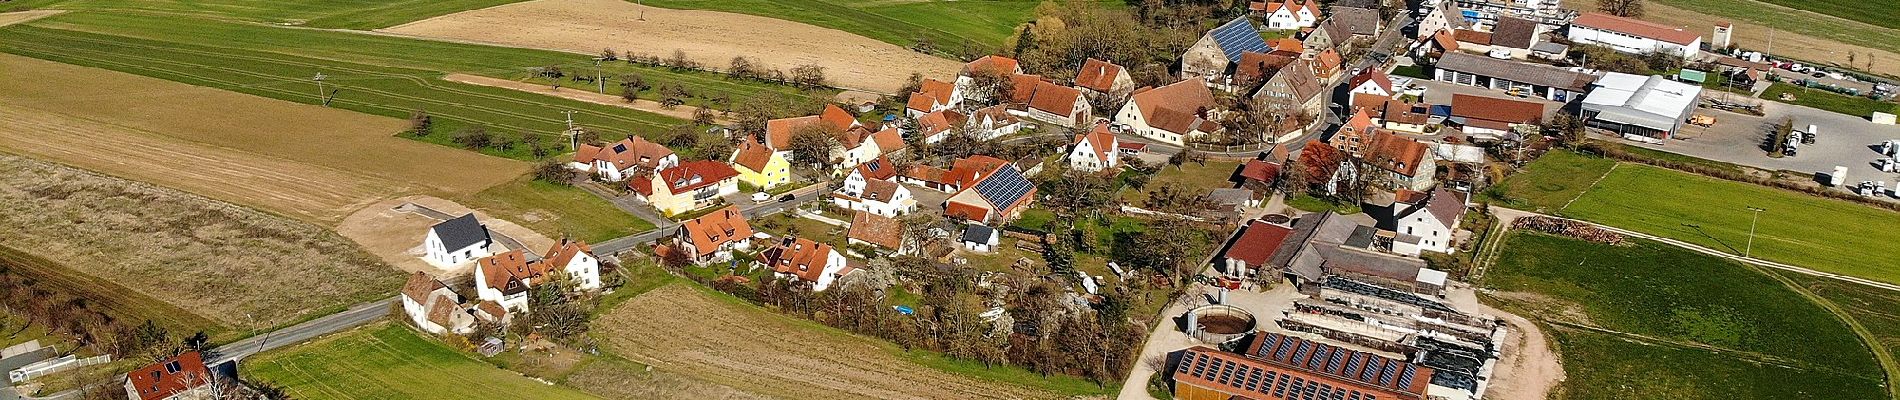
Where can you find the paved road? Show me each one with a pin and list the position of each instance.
(799, 196)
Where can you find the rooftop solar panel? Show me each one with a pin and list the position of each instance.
(1005, 187)
(1405, 378)
(1334, 365)
(1371, 368)
(1320, 354)
(1388, 373)
(1236, 37)
(1357, 361)
(1281, 352)
(1300, 354)
(1267, 344)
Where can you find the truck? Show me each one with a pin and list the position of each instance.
(1808, 137)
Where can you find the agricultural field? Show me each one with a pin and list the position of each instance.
(1876, 310)
(715, 338)
(211, 264)
(710, 38)
(336, 14)
(1824, 234)
(947, 24)
(391, 361)
(1720, 329)
(556, 210)
(303, 161)
(1815, 31)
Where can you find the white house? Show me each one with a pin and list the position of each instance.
(1371, 88)
(620, 160)
(1291, 15)
(932, 95)
(1095, 151)
(872, 187)
(1425, 220)
(506, 278)
(456, 241)
(979, 238)
(1058, 105)
(576, 259)
(1634, 36)
(1170, 114)
(433, 307)
(813, 263)
(993, 122)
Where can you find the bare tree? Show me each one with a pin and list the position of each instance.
(1621, 8)
(808, 75)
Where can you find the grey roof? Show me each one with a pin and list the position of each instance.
(1550, 47)
(460, 232)
(1444, 204)
(1513, 32)
(1535, 74)
(1361, 237)
(1372, 4)
(1231, 196)
(1354, 20)
(978, 233)
(1004, 188)
(1316, 248)
(1236, 37)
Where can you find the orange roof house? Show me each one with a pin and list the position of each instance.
(1103, 77)
(778, 132)
(181, 376)
(878, 230)
(703, 238)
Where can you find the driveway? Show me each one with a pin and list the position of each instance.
(1845, 140)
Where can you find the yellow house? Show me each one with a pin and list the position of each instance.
(761, 167)
(690, 186)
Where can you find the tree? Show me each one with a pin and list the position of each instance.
(1568, 126)
(1074, 194)
(742, 68)
(990, 86)
(553, 171)
(1175, 197)
(679, 60)
(702, 116)
(420, 123)
(811, 145)
(1169, 245)
(682, 136)
(673, 95)
(808, 75)
(1621, 8)
(715, 150)
(608, 54)
(1316, 166)
(474, 137)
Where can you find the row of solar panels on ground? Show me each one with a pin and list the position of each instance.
(1005, 188)
(1236, 37)
(1253, 379)
(1367, 289)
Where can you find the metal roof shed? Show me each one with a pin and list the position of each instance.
(1652, 105)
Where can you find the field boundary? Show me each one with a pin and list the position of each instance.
(1593, 185)
(684, 112)
(1890, 369)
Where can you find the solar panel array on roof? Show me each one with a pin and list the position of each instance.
(1005, 187)
(1236, 37)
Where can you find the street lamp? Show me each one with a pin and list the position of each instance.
(1751, 230)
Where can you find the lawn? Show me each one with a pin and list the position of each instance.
(338, 14)
(556, 209)
(1203, 177)
(1830, 101)
(390, 361)
(947, 24)
(1825, 234)
(1550, 182)
(1877, 310)
(1680, 313)
(785, 224)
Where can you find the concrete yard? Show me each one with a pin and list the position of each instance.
(1845, 140)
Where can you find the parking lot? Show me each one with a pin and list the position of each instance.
(1844, 140)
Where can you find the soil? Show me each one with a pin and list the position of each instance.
(709, 37)
(681, 330)
(308, 162)
(1530, 368)
(681, 112)
(396, 236)
(1225, 325)
(24, 16)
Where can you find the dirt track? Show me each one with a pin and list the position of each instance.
(709, 37)
(308, 162)
(23, 16)
(676, 328)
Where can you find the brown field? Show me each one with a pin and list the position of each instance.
(614, 379)
(1753, 36)
(230, 264)
(680, 329)
(23, 16)
(304, 161)
(709, 37)
(396, 236)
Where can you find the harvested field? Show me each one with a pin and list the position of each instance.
(392, 361)
(681, 329)
(615, 379)
(308, 162)
(220, 261)
(708, 37)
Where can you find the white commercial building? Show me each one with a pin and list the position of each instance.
(1634, 36)
(1648, 108)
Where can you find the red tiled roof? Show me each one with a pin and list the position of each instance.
(498, 270)
(1099, 139)
(1256, 67)
(710, 231)
(1445, 41)
(993, 63)
(1327, 62)
(930, 174)
(1496, 109)
(1022, 87)
(1258, 242)
(968, 171)
(931, 92)
(565, 251)
(692, 175)
(800, 257)
(1287, 45)
(877, 169)
(585, 153)
(170, 376)
(752, 156)
(1187, 97)
(1374, 75)
(1055, 99)
(1404, 113)
(939, 122)
(630, 152)
(1606, 22)
(778, 132)
(1396, 153)
(1097, 75)
(1260, 170)
(876, 229)
(1471, 36)
(888, 140)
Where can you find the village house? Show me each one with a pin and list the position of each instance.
(1255, 68)
(1492, 118)
(1371, 88)
(1104, 79)
(432, 306)
(1405, 117)
(1290, 14)
(1259, 175)
(877, 231)
(759, 166)
(456, 241)
(992, 122)
(621, 160)
(1296, 92)
(1095, 151)
(979, 238)
(937, 126)
(962, 173)
(932, 95)
(813, 263)
(997, 197)
(1170, 114)
(506, 278)
(992, 65)
(180, 377)
(1426, 221)
(1058, 105)
(833, 120)
(1408, 161)
(713, 237)
(1634, 36)
(690, 186)
(860, 144)
(1528, 79)
(1443, 17)
(1327, 66)
(1213, 56)
(1357, 23)
(872, 187)
(1355, 135)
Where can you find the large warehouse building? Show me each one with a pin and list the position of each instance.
(1645, 108)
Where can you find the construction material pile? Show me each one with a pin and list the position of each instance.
(1568, 228)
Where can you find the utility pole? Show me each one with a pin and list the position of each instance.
(573, 134)
(1750, 248)
(322, 96)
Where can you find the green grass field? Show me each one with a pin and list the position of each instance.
(1212, 175)
(1830, 101)
(1876, 310)
(1549, 183)
(947, 24)
(338, 14)
(390, 361)
(1875, 12)
(371, 74)
(554, 209)
(1709, 323)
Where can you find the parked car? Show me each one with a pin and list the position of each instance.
(760, 197)
(786, 197)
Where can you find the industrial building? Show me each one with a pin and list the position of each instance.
(1543, 81)
(1645, 108)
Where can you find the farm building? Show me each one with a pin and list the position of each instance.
(178, 377)
(1103, 78)
(713, 237)
(1634, 36)
(1543, 81)
(979, 238)
(456, 241)
(1057, 105)
(1213, 56)
(1648, 108)
(1326, 244)
(1280, 366)
(1492, 118)
(1170, 114)
(1250, 251)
